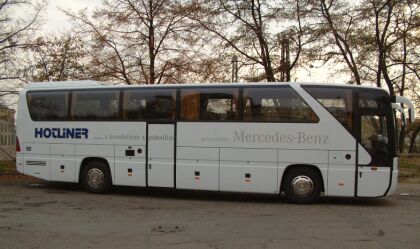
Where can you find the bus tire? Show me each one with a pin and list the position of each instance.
(302, 185)
(96, 178)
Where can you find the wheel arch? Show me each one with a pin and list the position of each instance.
(310, 166)
(88, 160)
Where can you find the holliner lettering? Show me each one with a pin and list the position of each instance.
(75, 133)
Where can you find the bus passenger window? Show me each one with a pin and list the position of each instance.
(276, 104)
(209, 104)
(95, 105)
(147, 104)
(337, 100)
(48, 105)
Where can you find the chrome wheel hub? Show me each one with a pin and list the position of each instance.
(95, 178)
(302, 186)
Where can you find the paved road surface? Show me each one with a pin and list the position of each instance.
(63, 216)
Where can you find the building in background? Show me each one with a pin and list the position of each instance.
(7, 133)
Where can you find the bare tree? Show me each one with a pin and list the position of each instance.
(14, 38)
(243, 27)
(147, 41)
(395, 25)
(383, 12)
(339, 24)
(56, 58)
(295, 38)
(14, 31)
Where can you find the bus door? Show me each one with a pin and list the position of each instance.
(160, 154)
(375, 139)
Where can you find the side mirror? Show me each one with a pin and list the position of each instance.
(405, 101)
(398, 108)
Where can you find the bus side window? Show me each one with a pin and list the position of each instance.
(209, 104)
(218, 107)
(276, 104)
(190, 106)
(48, 105)
(148, 104)
(133, 108)
(161, 108)
(95, 105)
(337, 101)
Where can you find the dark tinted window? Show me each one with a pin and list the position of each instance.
(373, 99)
(149, 104)
(95, 105)
(374, 138)
(338, 101)
(209, 104)
(48, 105)
(279, 104)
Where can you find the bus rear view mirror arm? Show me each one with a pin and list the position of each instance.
(405, 101)
(398, 108)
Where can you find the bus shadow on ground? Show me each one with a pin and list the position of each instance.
(341, 201)
(202, 195)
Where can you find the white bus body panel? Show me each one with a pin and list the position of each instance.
(161, 155)
(19, 162)
(63, 163)
(197, 168)
(341, 173)
(37, 160)
(373, 181)
(303, 156)
(248, 170)
(130, 170)
(394, 180)
(363, 157)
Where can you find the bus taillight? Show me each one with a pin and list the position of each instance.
(17, 145)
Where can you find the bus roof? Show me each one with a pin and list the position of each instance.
(63, 84)
(97, 84)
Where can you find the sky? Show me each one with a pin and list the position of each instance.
(56, 21)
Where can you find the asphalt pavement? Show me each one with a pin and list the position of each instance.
(57, 215)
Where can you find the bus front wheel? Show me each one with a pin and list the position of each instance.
(96, 178)
(302, 185)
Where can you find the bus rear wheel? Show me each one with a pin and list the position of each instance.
(96, 178)
(302, 185)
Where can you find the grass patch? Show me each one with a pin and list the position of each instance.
(409, 168)
(410, 162)
(7, 167)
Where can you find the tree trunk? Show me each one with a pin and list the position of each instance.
(413, 140)
(270, 73)
(151, 56)
(401, 138)
(152, 75)
(378, 73)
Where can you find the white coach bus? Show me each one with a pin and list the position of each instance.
(302, 139)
